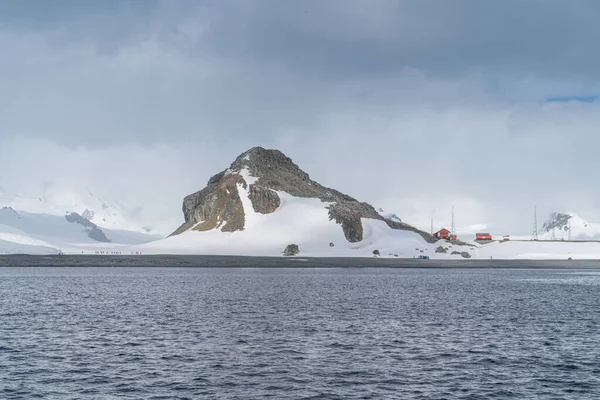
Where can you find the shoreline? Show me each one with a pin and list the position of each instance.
(216, 261)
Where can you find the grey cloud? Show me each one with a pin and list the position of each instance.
(94, 71)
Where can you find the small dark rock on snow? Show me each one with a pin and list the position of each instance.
(464, 254)
(331, 244)
(440, 249)
(376, 252)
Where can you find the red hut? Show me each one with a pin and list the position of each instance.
(442, 234)
(483, 236)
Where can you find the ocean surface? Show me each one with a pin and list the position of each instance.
(299, 333)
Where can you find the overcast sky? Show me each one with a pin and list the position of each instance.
(410, 105)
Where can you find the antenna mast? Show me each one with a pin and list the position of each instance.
(534, 235)
(453, 223)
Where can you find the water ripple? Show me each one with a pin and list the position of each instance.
(164, 333)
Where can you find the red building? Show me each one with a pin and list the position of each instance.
(442, 234)
(483, 236)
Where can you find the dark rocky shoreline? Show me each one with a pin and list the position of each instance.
(278, 262)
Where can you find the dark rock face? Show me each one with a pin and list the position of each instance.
(291, 250)
(218, 206)
(376, 253)
(441, 249)
(93, 231)
(264, 200)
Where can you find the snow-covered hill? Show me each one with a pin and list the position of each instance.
(264, 202)
(35, 226)
(104, 213)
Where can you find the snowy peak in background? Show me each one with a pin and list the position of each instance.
(103, 213)
(565, 226)
(63, 221)
(558, 221)
(388, 215)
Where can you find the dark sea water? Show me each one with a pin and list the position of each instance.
(299, 333)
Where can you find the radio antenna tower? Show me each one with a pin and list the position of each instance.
(453, 232)
(534, 235)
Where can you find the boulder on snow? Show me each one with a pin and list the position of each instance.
(291, 250)
(331, 244)
(463, 254)
(376, 253)
(440, 249)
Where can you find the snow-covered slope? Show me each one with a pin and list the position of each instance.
(104, 213)
(12, 247)
(25, 232)
(301, 221)
(389, 215)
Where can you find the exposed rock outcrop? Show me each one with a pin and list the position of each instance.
(264, 201)
(93, 231)
(216, 206)
(557, 221)
(463, 254)
(88, 214)
(262, 173)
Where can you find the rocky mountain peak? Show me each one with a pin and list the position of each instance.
(262, 173)
(558, 221)
(268, 165)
